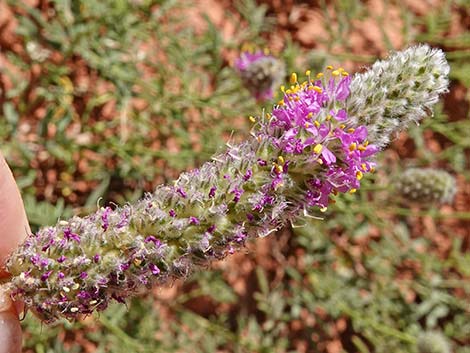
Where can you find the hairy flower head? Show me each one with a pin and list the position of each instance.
(261, 73)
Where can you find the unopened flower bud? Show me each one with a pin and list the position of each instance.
(398, 91)
(425, 185)
(433, 342)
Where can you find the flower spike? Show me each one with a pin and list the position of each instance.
(314, 145)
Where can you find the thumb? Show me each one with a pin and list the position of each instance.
(10, 329)
(13, 223)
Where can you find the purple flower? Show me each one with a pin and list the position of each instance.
(154, 269)
(181, 192)
(342, 89)
(194, 220)
(104, 218)
(152, 239)
(247, 58)
(212, 191)
(83, 275)
(238, 193)
(69, 235)
(45, 275)
(124, 219)
(248, 175)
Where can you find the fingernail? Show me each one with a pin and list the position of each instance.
(5, 300)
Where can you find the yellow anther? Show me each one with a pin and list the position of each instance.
(137, 262)
(310, 115)
(278, 169)
(352, 191)
(323, 209)
(307, 73)
(317, 89)
(281, 102)
(352, 146)
(344, 73)
(351, 130)
(320, 161)
(372, 170)
(296, 99)
(266, 51)
(288, 91)
(320, 75)
(281, 159)
(259, 138)
(293, 78)
(252, 119)
(307, 125)
(340, 69)
(317, 124)
(329, 67)
(342, 126)
(359, 175)
(283, 89)
(366, 143)
(66, 289)
(361, 148)
(318, 148)
(364, 166)
(335, 73)
(328, 118)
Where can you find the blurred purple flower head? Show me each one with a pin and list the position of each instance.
(260, 72)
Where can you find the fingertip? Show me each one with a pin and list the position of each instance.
(10, 329)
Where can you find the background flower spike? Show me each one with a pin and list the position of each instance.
(432, 342)
(426, 185)
(261, 73)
